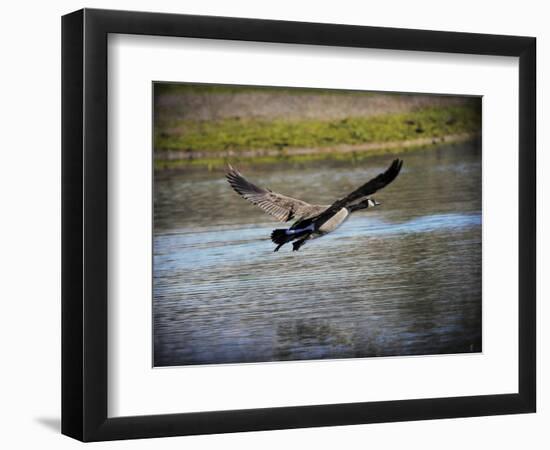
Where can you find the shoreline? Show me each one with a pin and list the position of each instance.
(174, 159)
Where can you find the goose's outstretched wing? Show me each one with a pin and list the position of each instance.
(369, 188)
(280, 206)
(373, 185)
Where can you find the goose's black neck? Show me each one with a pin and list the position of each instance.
(367, 203)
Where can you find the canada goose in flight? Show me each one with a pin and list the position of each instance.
(312, 221)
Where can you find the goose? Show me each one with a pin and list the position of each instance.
(311, 221)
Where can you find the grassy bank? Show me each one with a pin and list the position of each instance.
(212, 143)
(245, 134)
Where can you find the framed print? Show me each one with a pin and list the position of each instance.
(267, 224)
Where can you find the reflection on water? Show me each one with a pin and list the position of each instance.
(400, 279)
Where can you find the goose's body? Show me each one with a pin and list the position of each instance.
(311, 221)
(329, 226)
(334, 222)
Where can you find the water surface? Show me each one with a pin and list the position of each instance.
(400, 279)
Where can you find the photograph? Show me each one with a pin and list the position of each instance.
(293, 224)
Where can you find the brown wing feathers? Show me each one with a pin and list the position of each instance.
(280, 206)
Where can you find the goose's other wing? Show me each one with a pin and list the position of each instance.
(280, 206)
(369, 188)
(373, 185)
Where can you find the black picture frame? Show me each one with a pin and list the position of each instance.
(84, 224)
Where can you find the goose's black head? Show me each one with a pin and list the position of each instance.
(364, 204)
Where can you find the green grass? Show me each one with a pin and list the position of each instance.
(248, 134)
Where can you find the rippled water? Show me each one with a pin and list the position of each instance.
(400, 279)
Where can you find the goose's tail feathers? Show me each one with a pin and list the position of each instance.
(280, 236)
